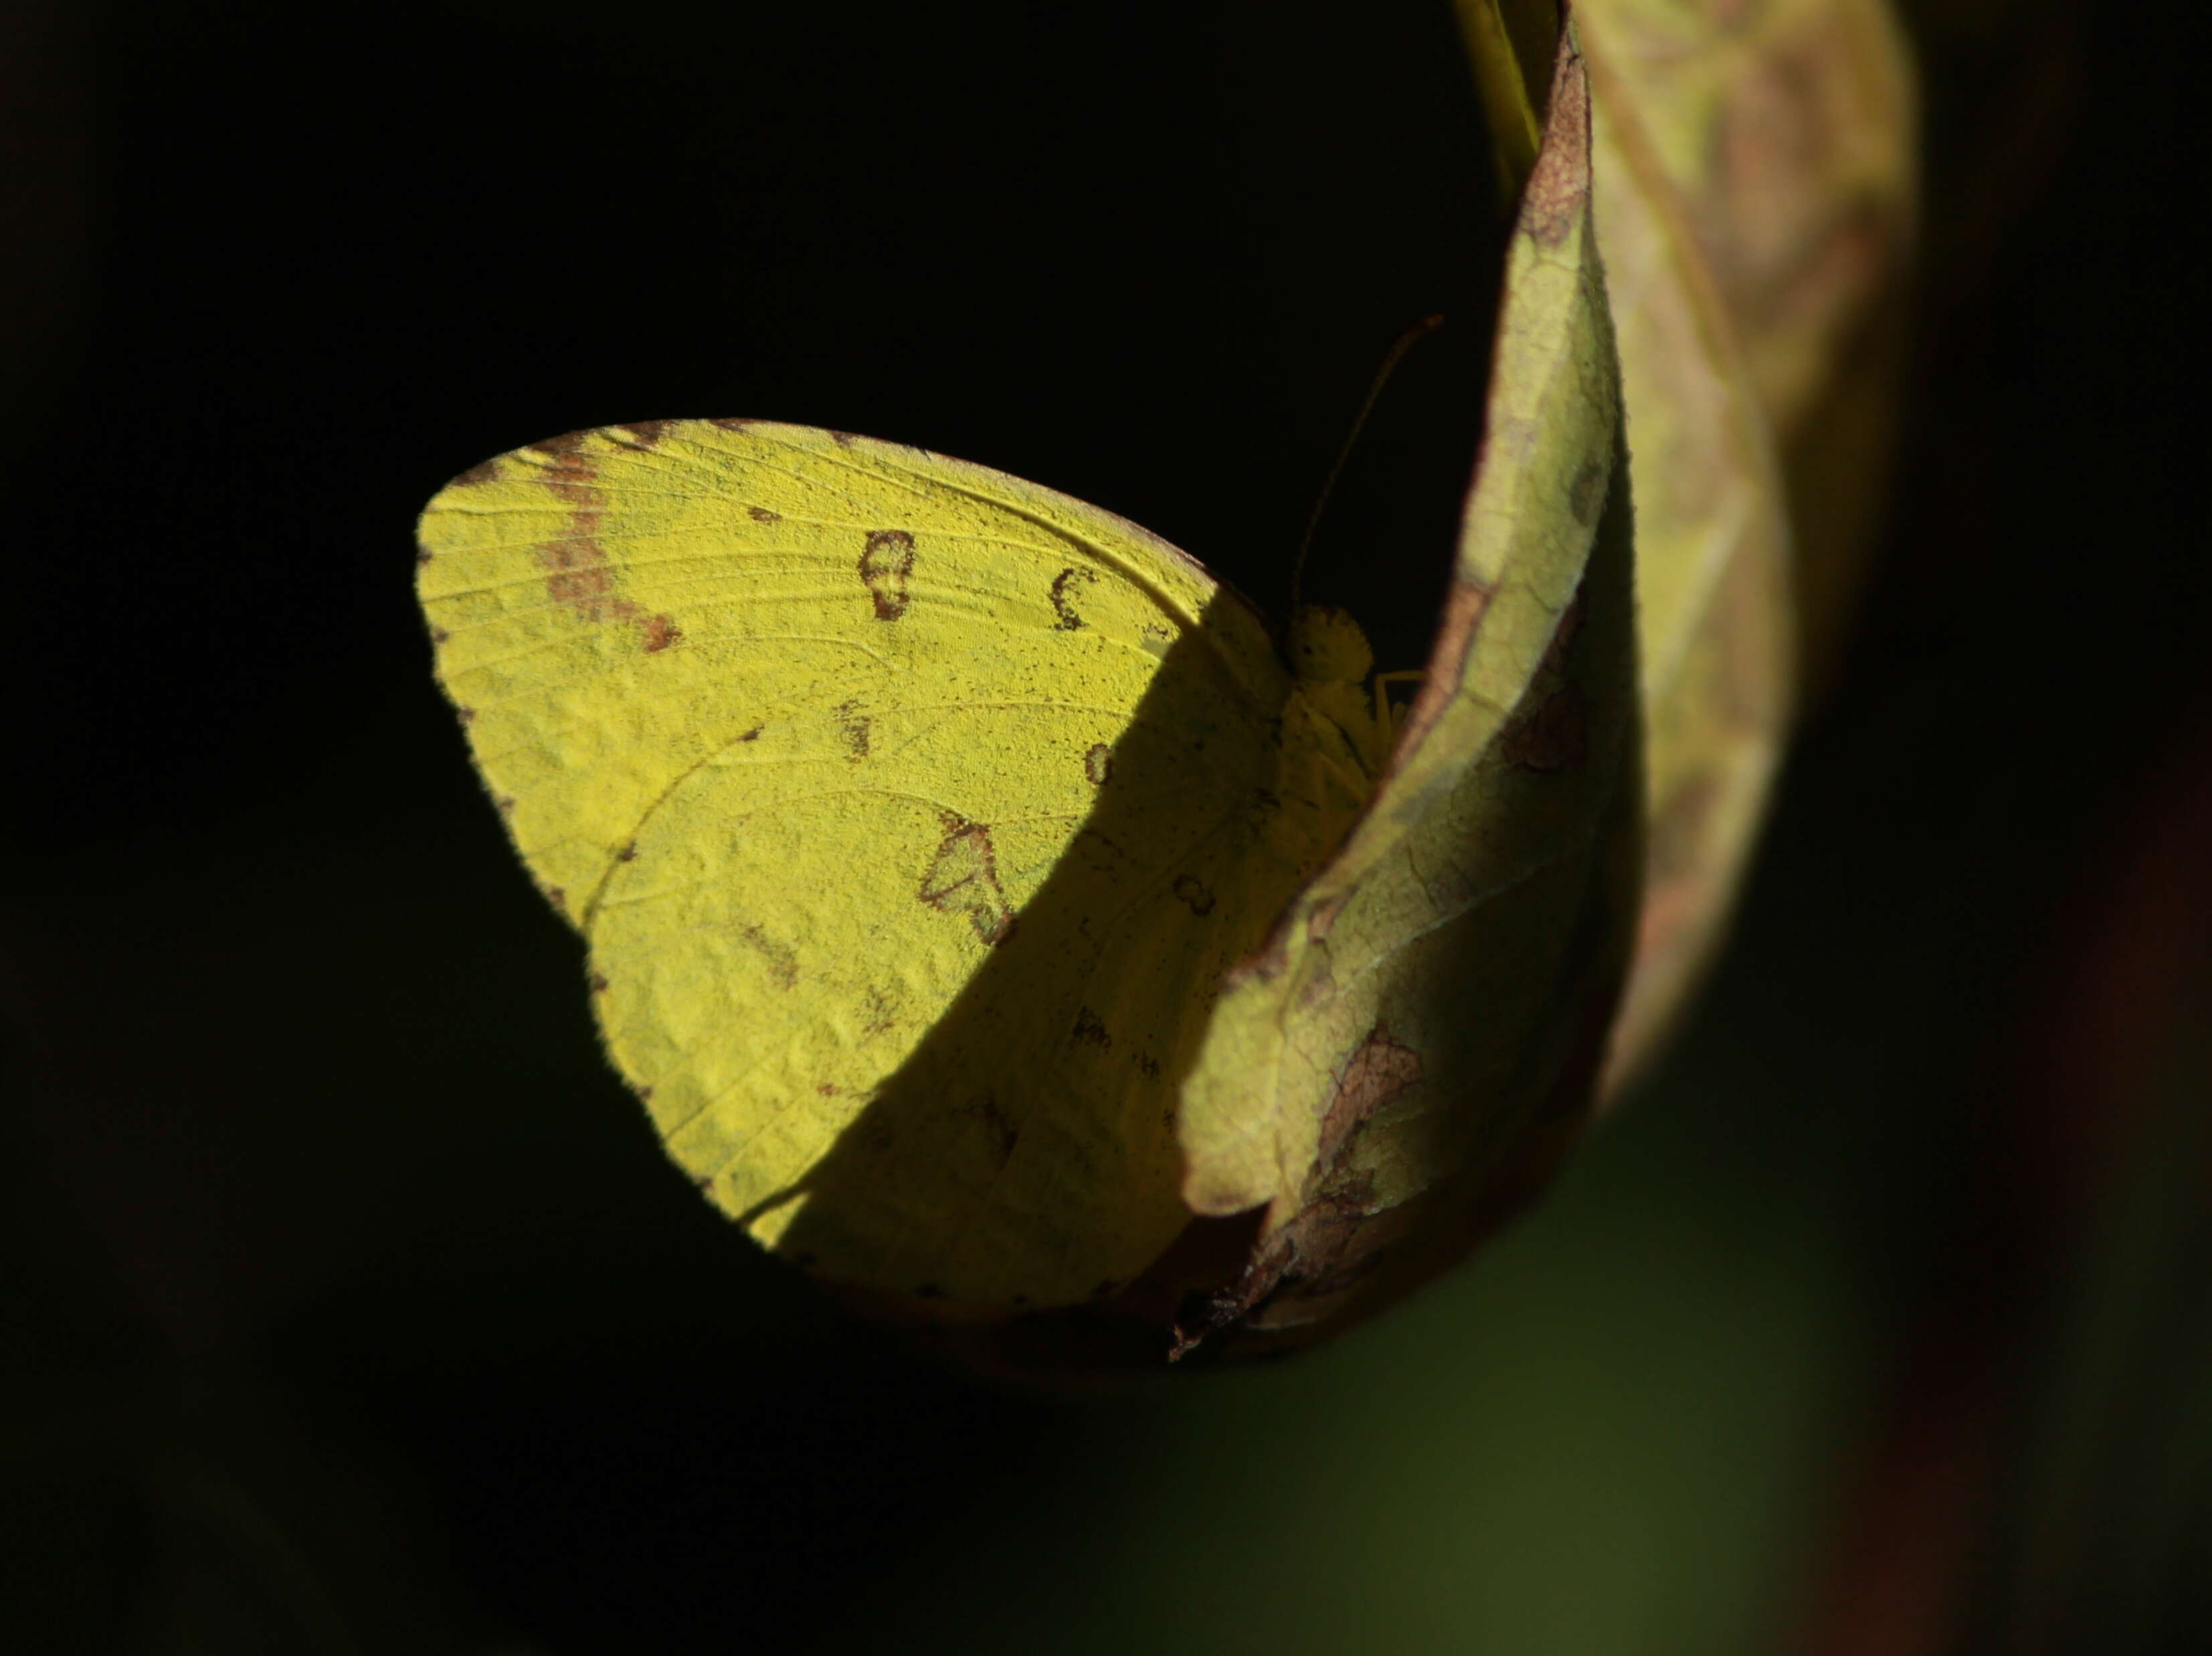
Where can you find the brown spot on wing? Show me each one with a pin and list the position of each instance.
(579, 576)
(1194, 892)
(995, 1122)
(731, 425)
(762, 514)
(856, 726)
(781, 959)
(1069, 620)
(1099, 763)
(481, 471)
(963, 878)
(569, 445)
(887, 562)
(647, 432)
(1091, 1028)
(881, 1014)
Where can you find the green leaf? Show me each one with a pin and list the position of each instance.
(1713, 615)
(1420, 1040)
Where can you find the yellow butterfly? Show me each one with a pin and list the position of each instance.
(976, 897)
(913, 813)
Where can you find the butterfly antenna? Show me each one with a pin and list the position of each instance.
(1411, 337)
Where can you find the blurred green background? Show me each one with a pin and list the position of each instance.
(348, 1306)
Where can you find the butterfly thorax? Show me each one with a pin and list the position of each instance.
(1332, 660)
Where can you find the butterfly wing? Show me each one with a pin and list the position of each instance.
(912, 814)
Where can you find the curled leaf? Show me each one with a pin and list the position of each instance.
(1420, 1039)
(1712, 543)
(1787, 132)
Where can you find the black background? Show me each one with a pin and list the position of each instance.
(351, 1304)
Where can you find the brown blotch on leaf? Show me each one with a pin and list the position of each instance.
(1194, 895)
(1465, 606)
(887, 562)
(1335, 1236)
(762, 514)
(1323, 916)
(1069, 621)
(1090, 1026)
(1553, 736)
(1550, 730)
(1677, 839)
(1558, 190)
(1586, 495)
(1377, 1073)
(1099, 763)
(963, 878)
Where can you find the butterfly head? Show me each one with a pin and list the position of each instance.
(1328, 647)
